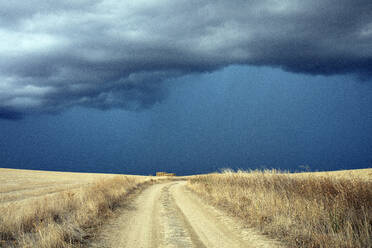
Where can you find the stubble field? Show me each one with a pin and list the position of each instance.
(57, 209)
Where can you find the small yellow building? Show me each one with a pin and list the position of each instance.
(165, 174)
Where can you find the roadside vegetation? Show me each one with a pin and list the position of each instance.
(64, 219)
(302, 210)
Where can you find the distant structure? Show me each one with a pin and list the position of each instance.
(165, 174)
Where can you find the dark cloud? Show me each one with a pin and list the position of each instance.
(114, 54)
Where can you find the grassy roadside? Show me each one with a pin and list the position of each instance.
(303, 210)
(64, 219)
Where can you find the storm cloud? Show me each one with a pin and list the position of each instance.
(118, 54)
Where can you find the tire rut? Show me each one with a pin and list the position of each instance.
(177, 232)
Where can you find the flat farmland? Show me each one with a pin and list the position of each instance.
(257, 208)
(17, 185)
(58, 209)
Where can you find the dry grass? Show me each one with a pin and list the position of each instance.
(64, 218)
(18, 185)
(303, 209)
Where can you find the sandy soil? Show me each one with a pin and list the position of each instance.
(169, 215)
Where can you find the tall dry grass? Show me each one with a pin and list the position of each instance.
(302, 210)
(64, 219)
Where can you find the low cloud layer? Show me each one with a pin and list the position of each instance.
(114, 54)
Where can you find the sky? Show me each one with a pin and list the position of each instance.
(185, 86)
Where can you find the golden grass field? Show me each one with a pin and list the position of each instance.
(57, 209)
(320, 209)
(311, 209)
(19, 185)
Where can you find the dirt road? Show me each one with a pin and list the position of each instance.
(169, 215)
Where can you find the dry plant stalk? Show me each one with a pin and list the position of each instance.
(303, 210)
(64, 219)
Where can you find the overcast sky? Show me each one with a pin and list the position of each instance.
(138, 85)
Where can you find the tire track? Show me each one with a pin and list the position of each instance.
(176, 229)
